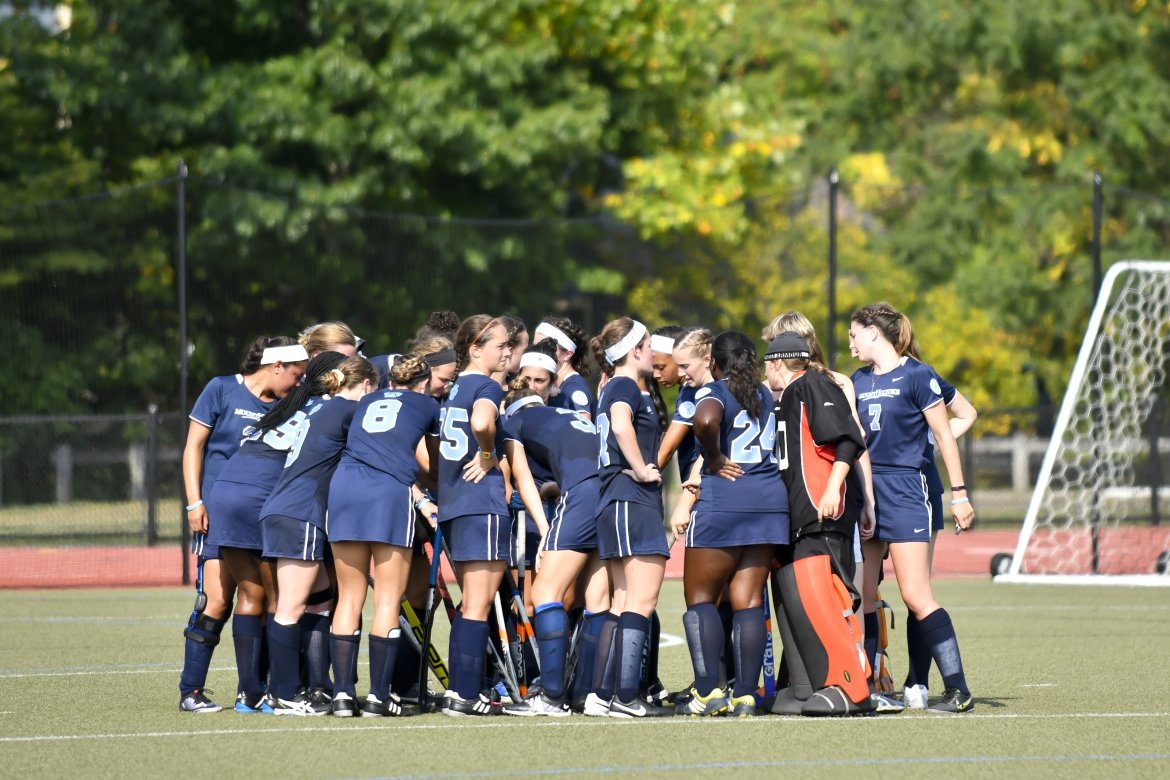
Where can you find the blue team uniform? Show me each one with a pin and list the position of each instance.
(930, 468)
(563, 444)
(475, 516)
(754, 508)
(293, 517)
(891, 407)
(630, 520)
(575, 395)
(236, 498)
(229, 409)
(370, 497)
(684, 413)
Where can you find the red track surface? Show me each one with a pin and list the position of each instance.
(968, 555)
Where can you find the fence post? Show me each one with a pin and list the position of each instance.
(1020, 448)
(831, 340)
(136, 465)
(152, 476)
(63, 465)
(181, 278)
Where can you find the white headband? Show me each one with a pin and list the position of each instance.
(663, 344)
(623, 347)
(293, 353)
(540, 360)
(525, 401)
(548, 330)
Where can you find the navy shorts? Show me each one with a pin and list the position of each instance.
(712, 528)
(903, 506)
(368, 505)
(233, 515)
(287, 537)
(625, 529)
(478, 537)
(522, 522)
(572, 525)
(935, 486)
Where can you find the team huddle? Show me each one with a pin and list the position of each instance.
(316, 475)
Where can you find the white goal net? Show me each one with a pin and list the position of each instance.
(1094, 513)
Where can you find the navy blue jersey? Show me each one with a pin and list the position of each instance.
(948, 395)
(891, 408)
(260, 459)
(558, 442)
(684, 413)
(458, 446)
(302, 491)
(229, 409)
(575, 395)
(387, 428)
(616, 486)
(749, 443)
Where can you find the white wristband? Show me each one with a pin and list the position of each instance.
(963, 500)
(196, 505)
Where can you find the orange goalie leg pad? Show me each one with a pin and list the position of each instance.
(828, 608)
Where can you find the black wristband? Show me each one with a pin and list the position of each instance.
(957, 488)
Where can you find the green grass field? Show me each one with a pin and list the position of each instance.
(1069, 682)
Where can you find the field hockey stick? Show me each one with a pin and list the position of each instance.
(523, 624)
(452, 610)
(200, 601)
(419, 637)
(571, 656)
(511, 682)
(429, 621)
(769, 655)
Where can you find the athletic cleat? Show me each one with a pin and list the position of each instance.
(302, 706)
(714, 703)
(458, 707)
(743, 706)
(915, 697)
(955, 701)
(637, 709)
(578, 705)
(538, 705)
(681, 697)
(376, 708)
(195, 701)
(343, 706)
(252, 704)
(321, 701)
(595, 706)
(885, 705)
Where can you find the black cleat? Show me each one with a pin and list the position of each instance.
(954, 701)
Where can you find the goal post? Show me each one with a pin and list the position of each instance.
(1092, 517)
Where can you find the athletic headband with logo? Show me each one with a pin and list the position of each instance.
(788, 346)
(294, 353)
(623, 347)
(527, 400)
(540, 360)
(663, 344)
(548, 330)
(440, 358)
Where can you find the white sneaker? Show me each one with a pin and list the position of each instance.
(915, 697)
(595, 706)
(538, 705)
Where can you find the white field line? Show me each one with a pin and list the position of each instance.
(585, 723)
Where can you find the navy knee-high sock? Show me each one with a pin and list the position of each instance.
(603, 664)
(315, 648)
(551, 625)
(870, 624)
(405, 674)
(939, 635)
(383, 653)
(704, 630)
(284, 653)
(248, 636)
(468, 640)
(918, 668)
(197, 654)
(632, 631)
(747, 639)
(726, 656)
(586, 654)
(343, 650)
(650, 657)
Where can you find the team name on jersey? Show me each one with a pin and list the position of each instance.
(883, 393)
(247, 414)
